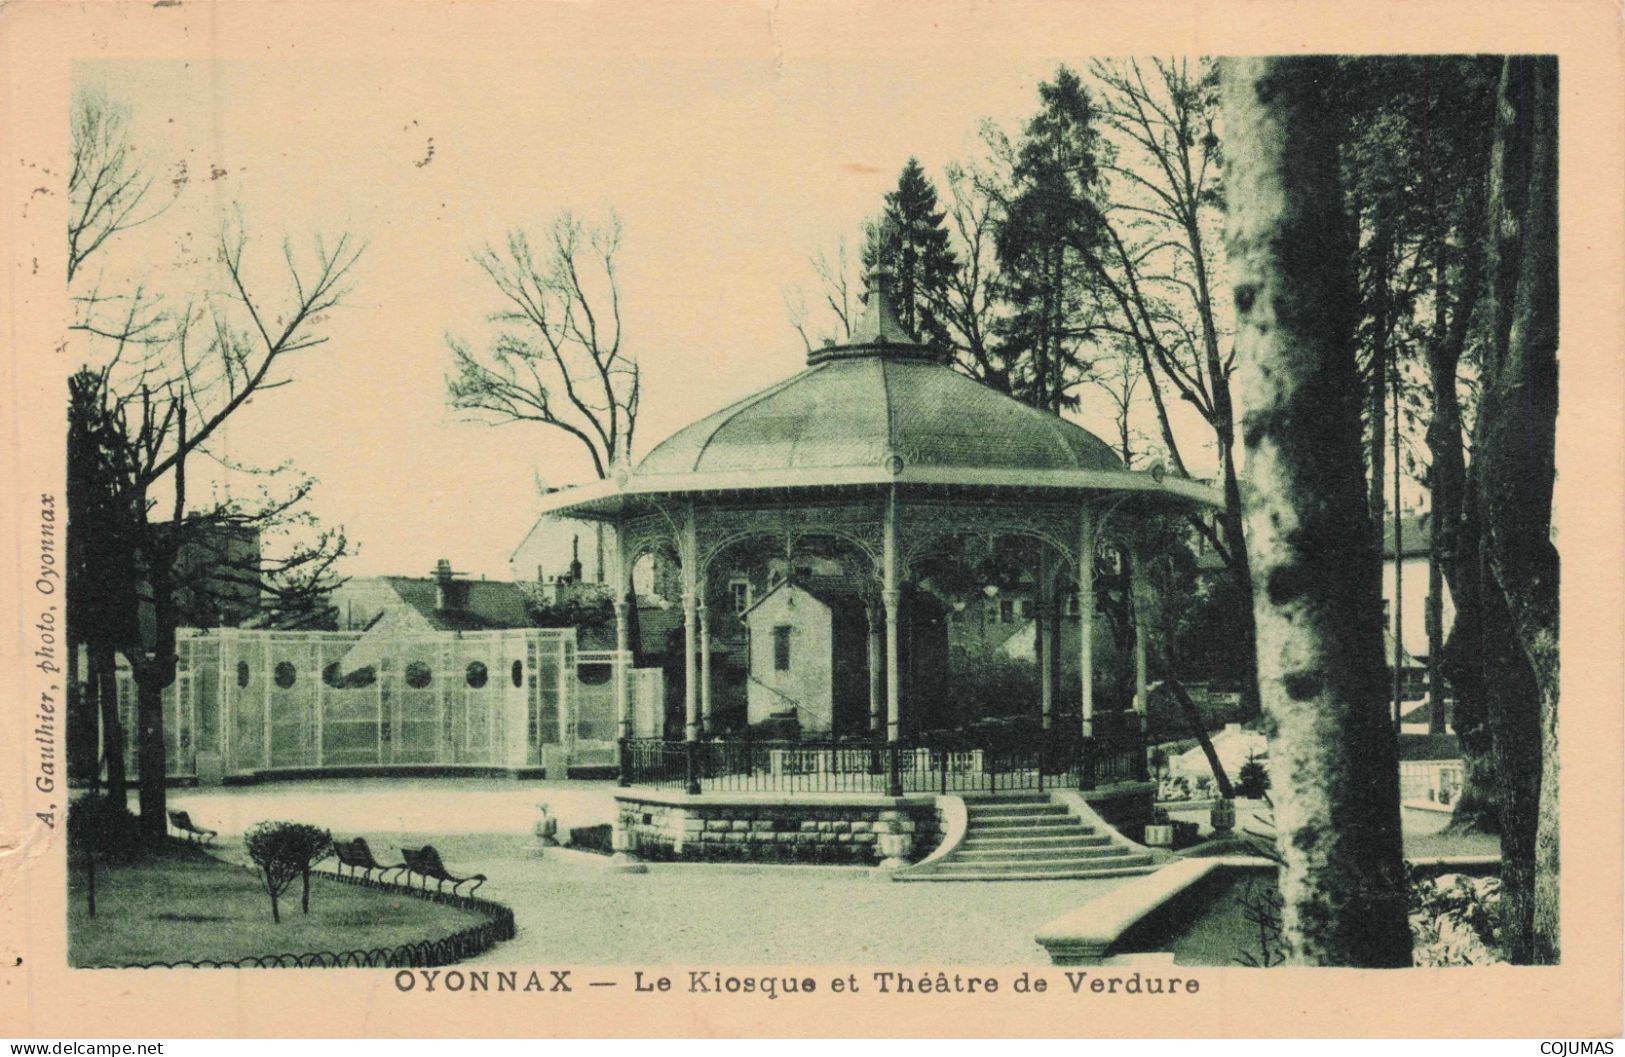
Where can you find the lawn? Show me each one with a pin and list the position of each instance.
(187, 906)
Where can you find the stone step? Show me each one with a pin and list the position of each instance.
(1117, 856)
(1036, 855)
(989, 812)
(1117, 868)
(1070, 840)
(1021, 825)
(1021, 797)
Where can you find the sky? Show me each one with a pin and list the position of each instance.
(727, 172)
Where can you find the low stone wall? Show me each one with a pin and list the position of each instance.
(659, 825)
(1127, 806)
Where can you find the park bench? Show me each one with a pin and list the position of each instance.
(356, 855)
(425, 862)
(183, 822)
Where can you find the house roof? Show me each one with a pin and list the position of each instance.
(1415, 535)
(479, 605)
(1429, 747)
(1420, 712)
(834, 591)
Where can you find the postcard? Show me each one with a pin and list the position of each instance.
(834, 519)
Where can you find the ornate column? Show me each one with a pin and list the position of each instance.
(1086, 618)
(1044, 615)
(1141, 630)
(892, 597)
(877, 720)
(689, 558)
(705, 667)
(621, 593)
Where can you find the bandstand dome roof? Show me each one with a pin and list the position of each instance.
(849, 411)
(880, 409)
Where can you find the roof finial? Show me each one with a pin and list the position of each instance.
(879, 324)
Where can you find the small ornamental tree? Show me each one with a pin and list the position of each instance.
(1253, 780)
(284, 851)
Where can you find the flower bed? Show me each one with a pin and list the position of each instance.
(226, 921)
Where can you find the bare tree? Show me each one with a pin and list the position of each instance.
(161, 410)
(1156, 267)
(108, 183)
(969, 305)
(1333, 753)
(556, 357)
(108, 186)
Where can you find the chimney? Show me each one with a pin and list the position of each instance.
(444, 593)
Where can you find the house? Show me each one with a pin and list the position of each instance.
(1410, 573)
(442, 601)
(1430, 767)
(810, 643)
(216, 580)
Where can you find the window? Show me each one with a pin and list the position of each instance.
(284, 674)
(518, 673)
(739, 588)
(1072, 605)
(417, 675)
(1007, 610)
(781, 648)
(476, 675)
(243, 673)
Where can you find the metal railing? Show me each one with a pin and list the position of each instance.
(956, 763)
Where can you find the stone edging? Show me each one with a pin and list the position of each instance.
(956, 820)
(1083, 936)
(447, 950)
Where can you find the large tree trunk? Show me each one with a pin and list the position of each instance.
(1241, 568)
(104, 677)
(1514, 447)
(1377, 379)
(1315, 564)
(150, 753)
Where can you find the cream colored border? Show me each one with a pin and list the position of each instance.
(1582, 997)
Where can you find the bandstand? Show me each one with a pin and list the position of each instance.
(881, 451)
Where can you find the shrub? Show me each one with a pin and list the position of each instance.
(1455, 919)
(1178, 788)
(1253, 780)
(104, 828)
(284, 851)
(592, 838)
(1186, 833)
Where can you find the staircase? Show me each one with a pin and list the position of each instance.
(1026, 837)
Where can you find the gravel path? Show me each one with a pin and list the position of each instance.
(575, 912)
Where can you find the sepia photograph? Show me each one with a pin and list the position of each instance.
(1063, 509)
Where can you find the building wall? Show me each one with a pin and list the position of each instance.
(808, 685)
(545, 553)
(1414, 574)
(716, 829)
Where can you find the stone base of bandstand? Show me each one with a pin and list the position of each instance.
(658, 825)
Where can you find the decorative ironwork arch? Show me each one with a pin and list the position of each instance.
(715, 549)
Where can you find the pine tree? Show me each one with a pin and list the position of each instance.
(911, 241)
(1051, 221)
